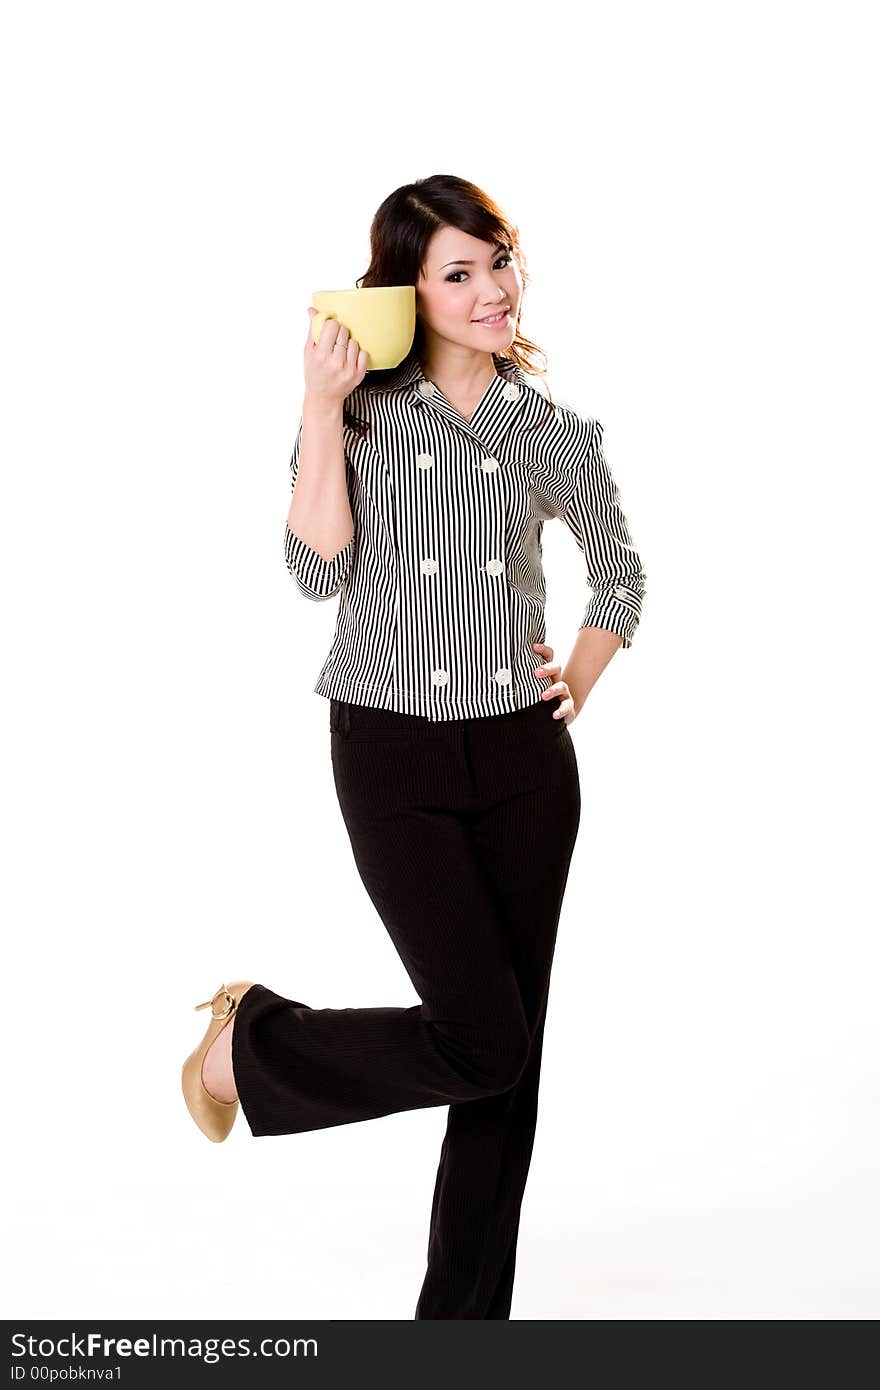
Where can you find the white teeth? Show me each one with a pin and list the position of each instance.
(493, 319)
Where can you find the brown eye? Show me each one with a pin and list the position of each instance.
(505, 257)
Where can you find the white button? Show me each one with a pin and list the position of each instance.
(495, 566)
(425, 460)
(439, 677)
(427, 388)
(620, 591)
(429, 567)
(510, 392)
(489, 465)
(502, 675)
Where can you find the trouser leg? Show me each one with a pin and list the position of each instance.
(299, 1068)
(525, 844)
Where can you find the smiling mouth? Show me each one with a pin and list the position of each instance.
(491, 318)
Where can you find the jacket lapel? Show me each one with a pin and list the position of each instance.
(495, 412)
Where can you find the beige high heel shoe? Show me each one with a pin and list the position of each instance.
(214, 1118)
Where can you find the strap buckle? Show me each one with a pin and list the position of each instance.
(230, 1003)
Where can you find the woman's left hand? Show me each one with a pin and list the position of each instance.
(560, 689)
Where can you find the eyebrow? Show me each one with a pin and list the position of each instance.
(499, 246)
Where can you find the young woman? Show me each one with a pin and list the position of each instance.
(419, 495)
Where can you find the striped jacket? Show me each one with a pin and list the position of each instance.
(441, 585)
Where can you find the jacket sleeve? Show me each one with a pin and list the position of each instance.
(315, 577)
(594, 515)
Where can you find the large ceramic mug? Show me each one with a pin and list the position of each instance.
(381, 319)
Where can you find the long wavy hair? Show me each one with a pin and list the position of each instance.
(399, 235)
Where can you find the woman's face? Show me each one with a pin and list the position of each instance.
(451, 297)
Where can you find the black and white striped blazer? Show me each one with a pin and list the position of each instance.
(441, 586)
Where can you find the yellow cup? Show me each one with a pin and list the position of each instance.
(381, 319)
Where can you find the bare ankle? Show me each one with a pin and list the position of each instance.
(217, 1073)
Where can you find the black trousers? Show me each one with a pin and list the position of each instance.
(462, 832)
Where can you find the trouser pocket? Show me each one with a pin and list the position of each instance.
(372, 724)
(338, 717)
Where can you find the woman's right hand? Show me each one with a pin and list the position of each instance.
(335, 365)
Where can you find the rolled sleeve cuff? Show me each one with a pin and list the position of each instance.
(316, 577)
(617, 609)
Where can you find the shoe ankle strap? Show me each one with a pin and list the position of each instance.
(230, 1003)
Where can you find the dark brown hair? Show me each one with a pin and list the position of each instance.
(399, 236)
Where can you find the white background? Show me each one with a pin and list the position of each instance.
(693, 186)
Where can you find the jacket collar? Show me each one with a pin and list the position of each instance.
(410, 373)
(495, 413)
